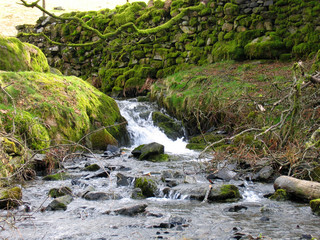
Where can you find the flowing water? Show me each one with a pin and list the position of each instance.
(253, 216)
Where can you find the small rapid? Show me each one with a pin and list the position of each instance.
(143, 131)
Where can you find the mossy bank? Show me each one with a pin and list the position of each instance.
(194, 34)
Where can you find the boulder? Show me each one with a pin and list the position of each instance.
(147, 185)
(224, 193)
(170, 127)
(10, 197)
(60, 203)
(150, 152)
(192, 191)
(99, 174)
(279, 195)
(57, 177)
(21, 56)
(264, 175)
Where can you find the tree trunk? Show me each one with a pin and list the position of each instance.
(301, 189)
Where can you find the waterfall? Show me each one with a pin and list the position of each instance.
(142, 130)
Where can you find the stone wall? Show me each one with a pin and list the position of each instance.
(218, 30)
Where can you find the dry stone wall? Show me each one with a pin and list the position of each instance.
(219, 30)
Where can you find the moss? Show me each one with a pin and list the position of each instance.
(315, 206)
(57, 177)
(57, 108)
(92, 168)
(196, 146)
(159, 158)
(59, 192)
(10, 198)
(101, 139)
(279, 195)
(230, 191)
(265, 47)
(231, 9)
(18, 56)
(148, 186)
(227, 50)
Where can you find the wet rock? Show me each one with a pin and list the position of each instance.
(190, 179)
(172, 222)
(224, 193)
(57, 177)
(123, 180)
(92, 168)
(112, 151)
(280, 195)
(59, 203)
(96, 196)
(237, 208)
(315, 206)
(137, 194)
(59, 192)
(193, 191)
(78, 183)
(100, 174)
(130, 211)
(171, 174)
(10, 197)
(264, 174)
(170, 127)
(171, 182)
(225, 173)
(147, 185)
(148, 151)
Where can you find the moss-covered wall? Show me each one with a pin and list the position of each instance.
(219, 30)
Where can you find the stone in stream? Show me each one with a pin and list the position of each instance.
(96, 196)
(99, 174)
(60, 203)
(130, 211)
(59, 192)
(147, 185)
(92, 168)
(224, 193)
(315, 206)
(150, 152)
(264, 175)
(123, 180)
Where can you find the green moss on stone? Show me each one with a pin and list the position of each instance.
(10, 197)
(57, 177)
(18, 56)
(315, 206)
(280, 195)
(147, 186)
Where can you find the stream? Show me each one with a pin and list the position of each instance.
(253, 217)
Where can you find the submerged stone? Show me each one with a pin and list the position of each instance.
(148, 186)
(315, 206)
(59, 192)
(60, 203)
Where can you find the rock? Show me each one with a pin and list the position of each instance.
(172, 222)
(190, 179)
(59, 192)
(99, 174)
(92, 168)
(188, 29)
(315, 206)
(57, 177)
(123, 180)
(279, 195)
(60, 203)
(149, 151)
(223, 174)
(10, 197)
(192, 191)
(137, 194)
(300, 189)
(131, 211)
(171, 128)
(227, 27)
(171, 182)
(264, 174)
(19, 56)
(237, 208)
(224, 193)
(96, 196)
(147, 186)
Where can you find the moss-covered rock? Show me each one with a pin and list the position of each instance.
(18, 56)
(60, 203)
(279, 195)
(150, 151)
(225, 193)
(92, 168)
(315, 206)
(148, 186)
(61, 109)
(57, 176)
(10, 197)
(316, 64)
(171, 128)
(59, 192)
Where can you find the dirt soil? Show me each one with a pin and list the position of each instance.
(13, 14)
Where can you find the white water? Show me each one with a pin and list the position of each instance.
(143, 131)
